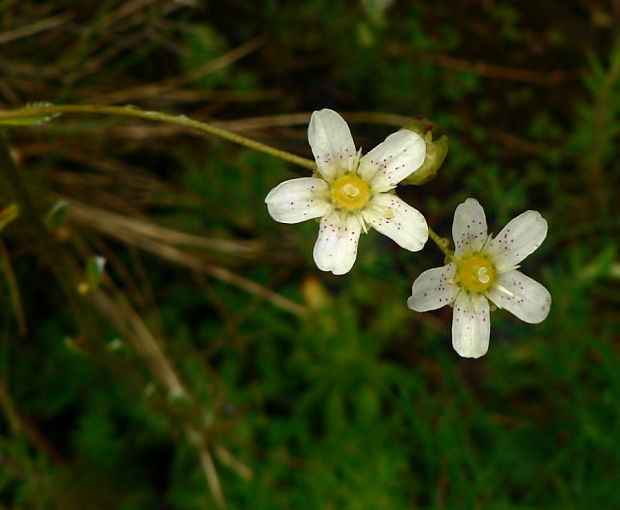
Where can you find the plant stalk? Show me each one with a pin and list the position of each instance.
(180, 120)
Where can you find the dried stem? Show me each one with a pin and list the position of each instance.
(12, 175)
(16, 299)
(144, 343)
(6, 403)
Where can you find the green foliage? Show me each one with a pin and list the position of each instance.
(214, 338)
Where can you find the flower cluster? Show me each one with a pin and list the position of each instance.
(350, 193)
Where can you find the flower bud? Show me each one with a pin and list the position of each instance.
(436, 151)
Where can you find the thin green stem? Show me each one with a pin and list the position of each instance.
(439, 241)
(180, 120)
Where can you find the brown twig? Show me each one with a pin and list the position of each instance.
(487, 70)
(167, 251)
(516, 143)
(34, 28)
(14, 291)
(121, 313)
(155, 89)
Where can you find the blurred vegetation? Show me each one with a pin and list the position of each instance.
(208, 362)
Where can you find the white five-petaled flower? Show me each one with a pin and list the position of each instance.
(484, 269)
(350, 192)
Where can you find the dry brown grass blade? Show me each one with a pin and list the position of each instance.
(516, 143)
(226, 458)
(502, 72)
(105, 45)
(295, 119)
(120, 312)
(126, 9)
(11, 281)
(21, 425)
(155, 89)
(34, 28)
(208, 467)
(128, 227)
(191, 95)
(110, 224)
(8, 408)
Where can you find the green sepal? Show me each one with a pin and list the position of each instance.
(436, 152)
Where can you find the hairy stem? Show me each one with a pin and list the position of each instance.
(181, 120)
(440, 242)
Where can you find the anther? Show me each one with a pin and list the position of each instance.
(351, 190)
(483, 275)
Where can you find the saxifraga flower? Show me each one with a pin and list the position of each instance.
(484, 269)
(351, 193)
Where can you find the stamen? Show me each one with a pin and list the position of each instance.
(475, 272)
(362, 222)
(351, 190)
(483, 275)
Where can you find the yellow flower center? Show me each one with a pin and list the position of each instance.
(476, 272)
(350, 192)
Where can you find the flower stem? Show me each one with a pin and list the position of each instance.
(180, 120)
(439, 241)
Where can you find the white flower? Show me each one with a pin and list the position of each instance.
(350, 192)
(484, 269)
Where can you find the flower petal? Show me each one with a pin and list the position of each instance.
(469, 229)
(331, 143)
(471, 325)
(521, 296)
(397, 157)
(298, 200)
(518, 239)
(432, 289)
(398, 220)
(336, 247)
